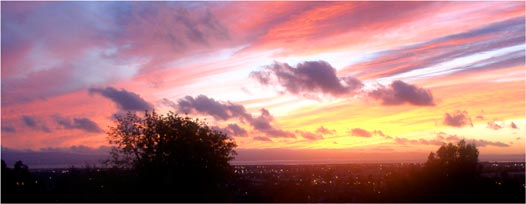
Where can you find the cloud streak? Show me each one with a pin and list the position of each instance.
(263, 139)
(443, 138)
(309, 135)
(423, 55)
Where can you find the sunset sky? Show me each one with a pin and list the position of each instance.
(364, 77)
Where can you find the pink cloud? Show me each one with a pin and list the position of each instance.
(360, 132)
(309, 135)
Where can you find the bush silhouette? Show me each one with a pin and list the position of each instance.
(174, 157)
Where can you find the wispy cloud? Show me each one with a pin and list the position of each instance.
(264, 139)
(309, 135)
(112, 42)
(429, 58)
(443, 138)
(494, 125)
(324, 130)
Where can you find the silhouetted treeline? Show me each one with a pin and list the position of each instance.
(274, 183)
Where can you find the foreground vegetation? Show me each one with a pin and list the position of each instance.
(497, 183)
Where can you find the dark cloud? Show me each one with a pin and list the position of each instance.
(78, 123)
(216, 109)
(234, 130)
(265, 139)
(309, 135)
(228, 110)
(360, 132)
(29, 121)
(86, 124)
(307, 78)
(8, 128)
(493, 125)
(323, 130)
(263, 121)
(457, 119)
(125, 100)
(34, 124)
(400, 92)
(513, 125)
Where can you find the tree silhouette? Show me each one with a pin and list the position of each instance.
(178, 155)
(452, 173)
(457, 161)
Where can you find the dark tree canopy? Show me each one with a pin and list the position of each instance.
(171, 152)
(454, 160)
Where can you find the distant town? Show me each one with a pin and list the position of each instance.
(272, 183)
